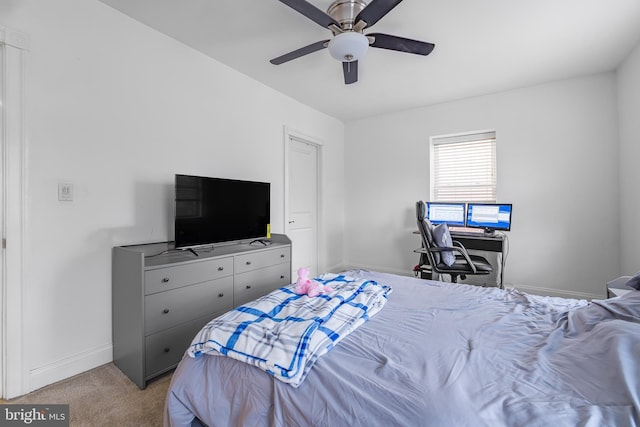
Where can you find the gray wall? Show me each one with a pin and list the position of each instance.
(557, 164)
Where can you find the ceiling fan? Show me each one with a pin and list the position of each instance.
(347, 20)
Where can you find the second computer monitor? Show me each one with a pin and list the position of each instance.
(490, 216)
(450, 213)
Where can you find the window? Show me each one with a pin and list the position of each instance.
(463, 167)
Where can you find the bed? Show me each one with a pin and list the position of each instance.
(440, 354)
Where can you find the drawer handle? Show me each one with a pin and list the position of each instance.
(165, 311)
(167, 350)
(281, 255)
(248, 286)
(248, 262)
(220, 295)
(282, 276)
(220, 268)
(165, 280)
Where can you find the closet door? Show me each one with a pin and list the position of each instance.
(302, 212)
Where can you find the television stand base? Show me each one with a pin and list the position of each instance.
(265, 242)
(193, 251)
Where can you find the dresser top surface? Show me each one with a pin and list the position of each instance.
(163, 253)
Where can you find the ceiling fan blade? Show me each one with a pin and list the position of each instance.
(311, 12)
(350, 70)
(314, 47)
(385, 41)
(375, 11)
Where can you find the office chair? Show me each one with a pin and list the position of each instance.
(431, 259)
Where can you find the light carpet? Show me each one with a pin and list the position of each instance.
(104, 396)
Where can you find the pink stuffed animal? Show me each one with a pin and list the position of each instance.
(304, 285)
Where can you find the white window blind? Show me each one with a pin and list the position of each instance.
(463, 168)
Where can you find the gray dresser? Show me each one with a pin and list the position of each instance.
(161, 297)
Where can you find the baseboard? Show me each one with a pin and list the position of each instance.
(69, 366)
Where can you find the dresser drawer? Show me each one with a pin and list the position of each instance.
(164, 350)
(253, 284)
(163, 279)
(253, 261)
(163, 310)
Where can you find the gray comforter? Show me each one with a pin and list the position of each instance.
(441, 354)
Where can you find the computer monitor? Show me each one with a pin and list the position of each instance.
(490, 216)
(450, 213)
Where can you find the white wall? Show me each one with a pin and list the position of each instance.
(629, 107)
(117, 109)
(557, 164)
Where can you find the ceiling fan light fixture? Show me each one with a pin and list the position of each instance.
(348, 46)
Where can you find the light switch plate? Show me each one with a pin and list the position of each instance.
(65, 192)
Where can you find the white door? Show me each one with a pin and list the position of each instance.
(302, 212)
(2, 248)
(13, 365)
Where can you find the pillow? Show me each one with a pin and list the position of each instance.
(442, 239)
(634, 282)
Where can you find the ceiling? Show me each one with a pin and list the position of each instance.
(481, 47)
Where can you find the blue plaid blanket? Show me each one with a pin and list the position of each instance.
(284, 333)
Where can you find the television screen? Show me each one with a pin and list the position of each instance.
(490, 216)
(451, 213)
(214, 210)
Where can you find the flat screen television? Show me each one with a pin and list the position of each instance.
(449, 213)
(490, 216)
(215, 210)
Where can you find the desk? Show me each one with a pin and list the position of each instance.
(483, 242)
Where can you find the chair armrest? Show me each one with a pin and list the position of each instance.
(457, 244)
(458, 247)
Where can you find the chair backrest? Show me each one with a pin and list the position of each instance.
(425, 227)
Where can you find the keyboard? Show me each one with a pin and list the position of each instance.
(467, 231)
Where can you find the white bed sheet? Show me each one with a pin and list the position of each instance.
(441, 354)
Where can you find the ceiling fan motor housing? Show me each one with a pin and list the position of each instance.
(345, 12)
